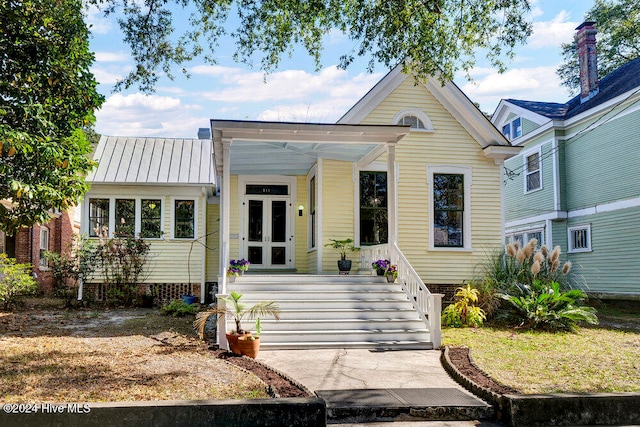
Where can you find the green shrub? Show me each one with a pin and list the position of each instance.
(545, 306)
(178, 308)
(463, 312)
(71, 267)
(15, 280)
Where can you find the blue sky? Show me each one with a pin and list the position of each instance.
(296, 92)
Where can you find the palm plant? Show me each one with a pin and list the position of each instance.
(545, 306)
(239, 311)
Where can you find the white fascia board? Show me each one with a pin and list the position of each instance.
(551, 216)
(374, 97)
(505, 107)
(466, 113)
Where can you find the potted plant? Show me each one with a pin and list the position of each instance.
(343, 247)
(189, 299)
(391, 273)
(239, 266)
(249, 344)
(381, 266)
(239, 311)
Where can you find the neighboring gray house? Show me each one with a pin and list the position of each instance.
(576, 181)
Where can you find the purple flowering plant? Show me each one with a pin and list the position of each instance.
(381, 265)
(236, 266)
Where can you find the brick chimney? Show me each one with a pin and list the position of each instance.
(587, 57)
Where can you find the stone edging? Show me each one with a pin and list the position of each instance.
(553, 409)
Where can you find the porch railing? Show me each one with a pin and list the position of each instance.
(427, 304)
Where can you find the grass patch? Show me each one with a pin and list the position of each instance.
(53, 355)
(589, 361)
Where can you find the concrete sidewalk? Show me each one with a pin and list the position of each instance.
(360, 385)
(343, 369)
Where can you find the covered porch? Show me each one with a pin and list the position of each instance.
(287, 188)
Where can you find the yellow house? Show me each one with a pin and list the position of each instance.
(412, 174)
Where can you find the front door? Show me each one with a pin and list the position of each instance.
(268, 240)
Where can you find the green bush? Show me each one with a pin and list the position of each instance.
(464, 312)
(15, 280)
(71, 267)
(178, 308)
(545, 306)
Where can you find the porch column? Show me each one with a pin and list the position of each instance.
(392, 193)
(225, 214)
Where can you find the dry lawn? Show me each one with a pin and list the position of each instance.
(51, 355)
(592, 360)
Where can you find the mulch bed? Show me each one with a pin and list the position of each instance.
(277, 384)
(460, 358)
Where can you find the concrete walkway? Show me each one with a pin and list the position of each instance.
(362, 385)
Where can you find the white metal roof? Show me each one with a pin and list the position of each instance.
(153, 161)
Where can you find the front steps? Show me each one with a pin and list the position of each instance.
(333, 311)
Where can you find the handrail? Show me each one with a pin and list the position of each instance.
(427, 304)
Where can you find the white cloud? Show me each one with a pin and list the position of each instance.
(104, 76)
(552, 33)
(148, 115)
(536, 84)
(97, 22)
(290, 85)
(111, 57)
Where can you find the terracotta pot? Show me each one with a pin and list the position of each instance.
(249, 347)
(232, 339)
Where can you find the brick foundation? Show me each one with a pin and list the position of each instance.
(447, 289)
(164, 292)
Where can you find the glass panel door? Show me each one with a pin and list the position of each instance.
(268, 239)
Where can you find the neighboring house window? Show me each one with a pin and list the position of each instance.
(313, 230)
(580, 238)
(125, 217)
(44, 246)
(513, 129)
(374, 224)
(448, 210)
(523, 237)
(533, 179)
(98, 216)
(184, 219)
(151, 220)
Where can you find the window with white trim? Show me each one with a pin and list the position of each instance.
(533, 175)
(414, 117)
(450, 208)
(125, 217)
(513, 129)
(523, 237)
(184, 219)
(44, 246)
(579, 238)
(313, 220)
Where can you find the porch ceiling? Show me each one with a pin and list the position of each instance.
(292, 148)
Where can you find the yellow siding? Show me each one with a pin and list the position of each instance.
(170, 260)
(234, 223)
(338, 209)
(450, 144)
(300, 226)
(213, 242)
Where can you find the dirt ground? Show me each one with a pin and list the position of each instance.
(94, 354)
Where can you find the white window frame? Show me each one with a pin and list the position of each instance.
(195, 218)
(525, 156)
(466, 171)
(138, 212)
(512, 133)
(418, 113)
(571, 230)
(526, 235)
(44, 246)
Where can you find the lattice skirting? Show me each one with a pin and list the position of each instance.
(165, 292)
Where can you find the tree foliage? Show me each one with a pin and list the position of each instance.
(618, 40)
(47, 95)
(439, 36)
